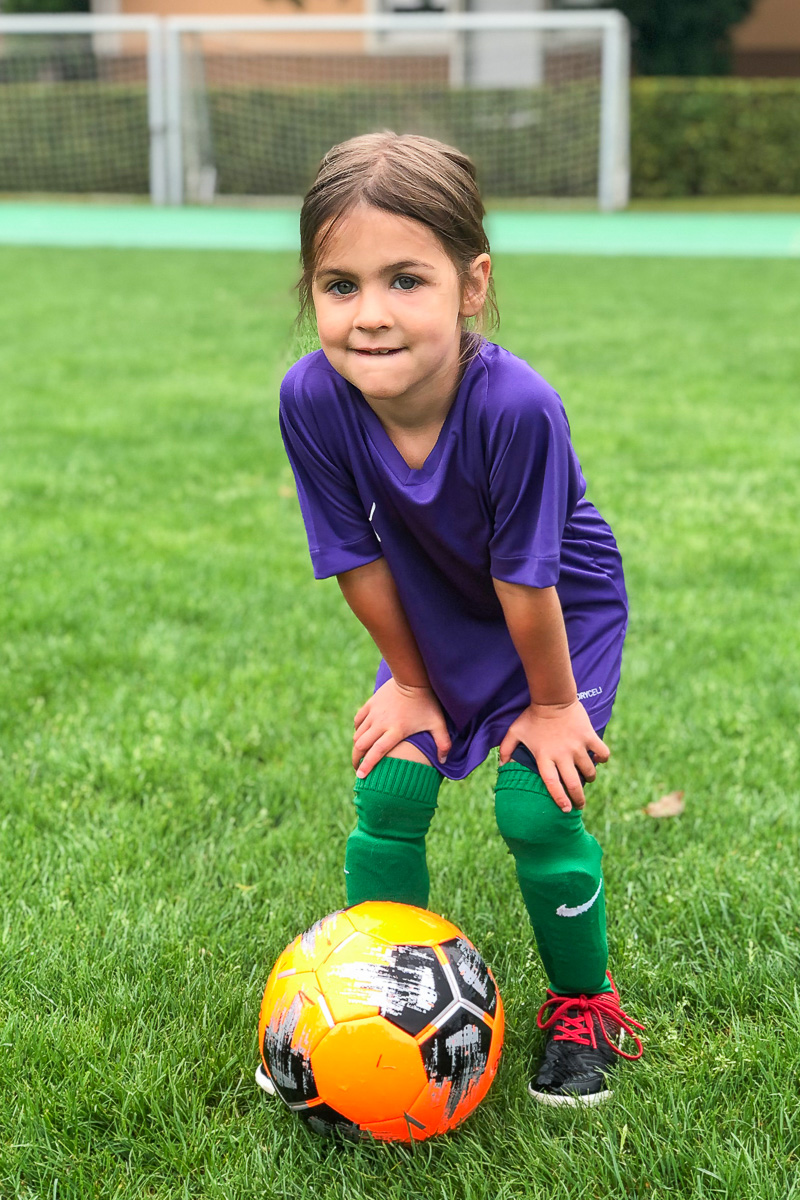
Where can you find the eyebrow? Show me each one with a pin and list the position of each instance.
(387, 270)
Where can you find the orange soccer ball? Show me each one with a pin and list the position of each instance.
(381, 1020)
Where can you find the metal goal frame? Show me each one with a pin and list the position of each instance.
(614, 155)
(153, 28)
(165, 71)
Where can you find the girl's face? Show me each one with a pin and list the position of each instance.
(389, 309)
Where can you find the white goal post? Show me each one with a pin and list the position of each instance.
(45, 46)
(193, 42)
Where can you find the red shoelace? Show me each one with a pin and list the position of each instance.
(580, 1027)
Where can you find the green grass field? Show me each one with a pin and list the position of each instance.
(176, 701)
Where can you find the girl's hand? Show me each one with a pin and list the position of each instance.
(561, 739)
(390, 716)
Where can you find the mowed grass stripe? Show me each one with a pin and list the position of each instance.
(176, 701)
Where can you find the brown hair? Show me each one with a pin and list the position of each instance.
(411, 176)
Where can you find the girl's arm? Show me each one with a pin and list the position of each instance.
(555, 726)
(406, 703)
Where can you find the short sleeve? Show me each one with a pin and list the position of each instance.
(535, 481)
(339, 534)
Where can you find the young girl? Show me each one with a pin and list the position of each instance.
(438, 483)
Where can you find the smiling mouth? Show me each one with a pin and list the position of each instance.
(377, 353)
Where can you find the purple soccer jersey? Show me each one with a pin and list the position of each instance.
(501, 494)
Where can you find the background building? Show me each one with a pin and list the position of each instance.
(768, 41)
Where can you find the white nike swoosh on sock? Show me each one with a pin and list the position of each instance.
(563, 911)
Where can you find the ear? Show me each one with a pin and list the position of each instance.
(475, 286)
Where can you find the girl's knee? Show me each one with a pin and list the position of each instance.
(526, 812)
(397, 799)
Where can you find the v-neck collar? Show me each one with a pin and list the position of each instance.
(388, 451)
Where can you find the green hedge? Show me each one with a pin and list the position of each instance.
(93, 138)
(271, 142)
(688, 136)
(715, 137)
(73, 137)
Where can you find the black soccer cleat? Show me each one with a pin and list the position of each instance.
(584, 1041)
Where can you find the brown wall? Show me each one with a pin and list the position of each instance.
(255, 43)
(239, 8)
(768, 41)
(772, 25)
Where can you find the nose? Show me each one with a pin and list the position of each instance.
(373, 311)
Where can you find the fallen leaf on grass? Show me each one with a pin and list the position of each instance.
(670, 805)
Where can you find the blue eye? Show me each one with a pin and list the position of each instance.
(406, 283)
(342, 283)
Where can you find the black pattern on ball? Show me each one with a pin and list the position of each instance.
(327, 1121)
(472, 976)
(458, 1052)
(414, 988)
(289, 1068)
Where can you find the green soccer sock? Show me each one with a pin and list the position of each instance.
(385, 855)
(558, 868)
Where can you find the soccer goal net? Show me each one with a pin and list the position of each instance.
(82, 105)
(210, 109)
(539, 100)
